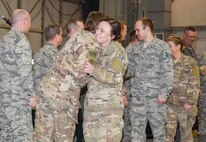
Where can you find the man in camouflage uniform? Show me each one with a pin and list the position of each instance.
(190, 34)
(127, 125)
(73, 27)
(60, 89)
(182, 103)
(202, 99)
(16, 89)
(150, 62)
(46, 56)
(103, 109)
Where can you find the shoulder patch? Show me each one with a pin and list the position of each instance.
(117, 63)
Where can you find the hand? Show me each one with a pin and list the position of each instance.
(123, 91)
(161, 100)
(125, 100)
(187, 107)
(201, 92)
(88, 68)
(33, 102)
(203, 70)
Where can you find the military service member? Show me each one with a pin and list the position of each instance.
(150, 62)
(73, 27)
(60, 88)
(189, 36)
(103, 110)
(46, 56)
(127, 125)
(182, 103)
(202, 99)
(16, 89)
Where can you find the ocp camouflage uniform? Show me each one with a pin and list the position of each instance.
(43, 61)
(202, 100)
(103, 106)
(152, 68)
(186, 89)
(16, 87)
(60, 89)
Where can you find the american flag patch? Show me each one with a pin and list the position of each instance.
(120, 57)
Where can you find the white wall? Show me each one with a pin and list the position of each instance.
(188, 12)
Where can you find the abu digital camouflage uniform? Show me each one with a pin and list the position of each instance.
(189, 51)
(60, 89)
(152, 68)
(185, 91)
(43, 61)
(202, 100)
(103, 106)
(127, 124)
(16, 87)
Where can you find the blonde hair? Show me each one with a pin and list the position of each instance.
(176, 40)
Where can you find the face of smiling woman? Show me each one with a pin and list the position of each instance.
(103, 33)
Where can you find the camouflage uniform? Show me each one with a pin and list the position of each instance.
(152, 68)
(202, 101)
(16, 87)
(60, 89)
(43, 61)
(185, 91)
(189, 51)
(127, 125)
(103, 106)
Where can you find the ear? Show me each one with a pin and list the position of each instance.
(147, 28)
(113, 36)
(179, 46)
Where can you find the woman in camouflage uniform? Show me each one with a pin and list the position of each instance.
(104, 103)
(182, 103)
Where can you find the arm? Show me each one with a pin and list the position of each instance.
(166, 74)
(111, 73)
(193, 86)
(43, 61)
(129, 74)
(24, 58)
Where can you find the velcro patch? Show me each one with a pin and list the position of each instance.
(117, 63)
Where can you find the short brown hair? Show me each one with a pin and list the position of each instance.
(190, 28)
(50, 31)
(147, 22)
(93, 20)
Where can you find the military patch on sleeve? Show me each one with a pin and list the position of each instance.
(120, 57)
(117, 63)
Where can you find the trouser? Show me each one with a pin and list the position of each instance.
(186, 121)
(52, 124)
(142, 110)
(202, 118)
(127, 126)
(103, 126)
(16, 122)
